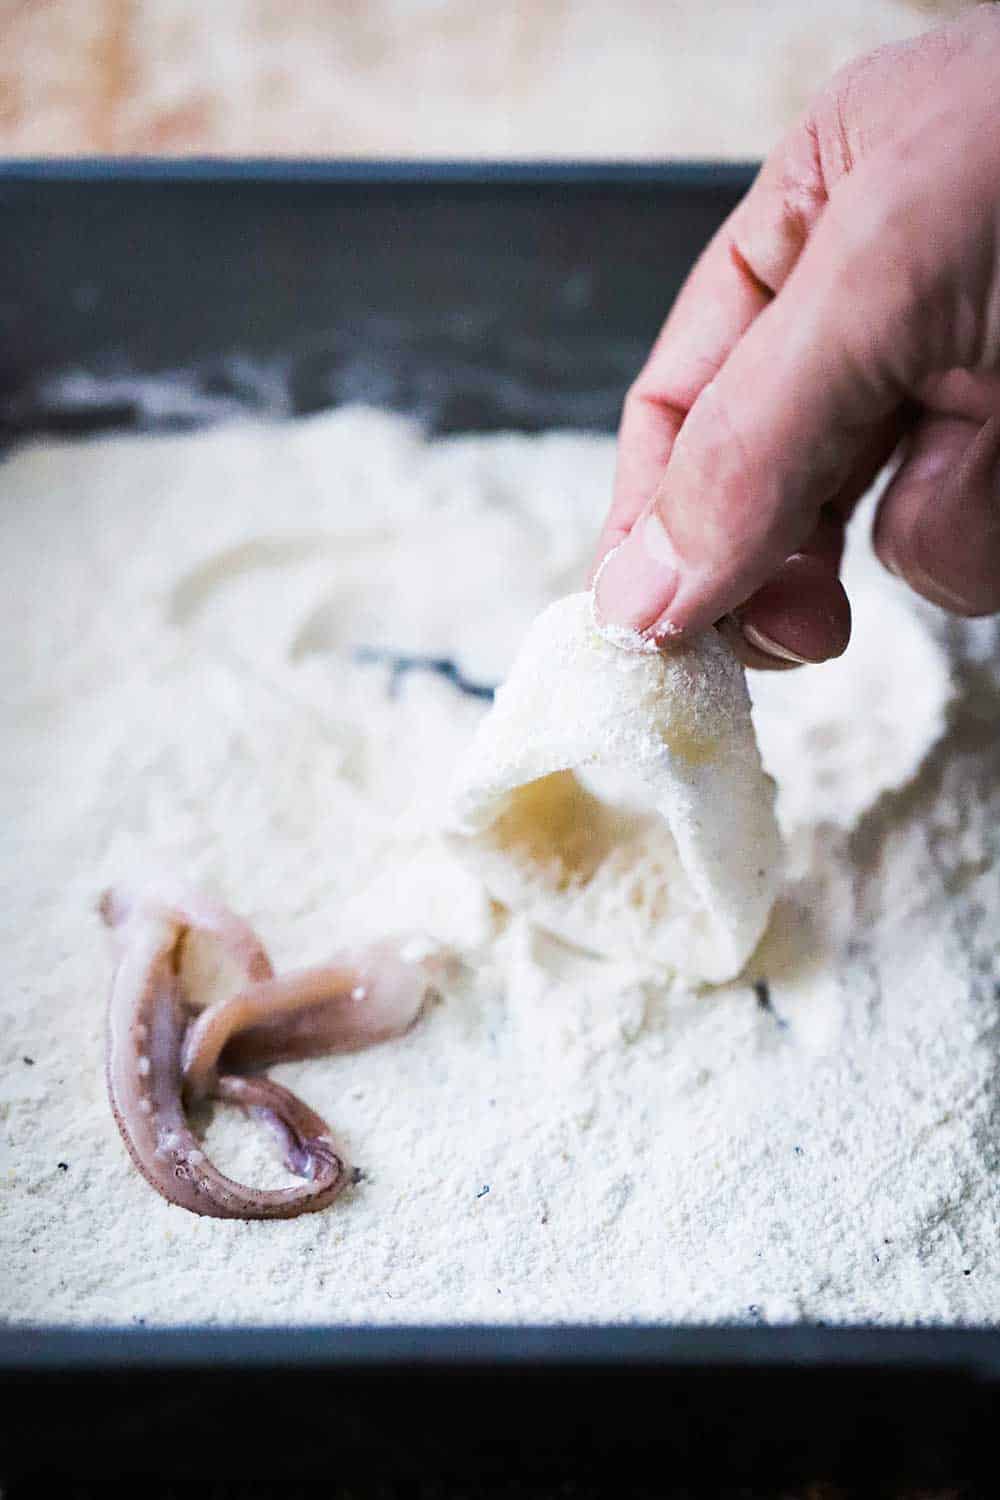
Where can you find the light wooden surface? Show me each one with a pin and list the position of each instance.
(439, 78)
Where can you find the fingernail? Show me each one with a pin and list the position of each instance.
(937, 592)
(637, 581)
(769, 647)
(890, 564)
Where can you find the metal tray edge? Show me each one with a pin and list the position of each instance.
(970, 1351)
(363, 171)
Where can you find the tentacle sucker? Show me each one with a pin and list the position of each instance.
(159, 1054)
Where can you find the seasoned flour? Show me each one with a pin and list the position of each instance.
(560, 1137)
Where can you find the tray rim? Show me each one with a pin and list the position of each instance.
(946, 1350)
(394, 172)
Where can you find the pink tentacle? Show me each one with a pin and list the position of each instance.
(355, 1001)
(158, 1050)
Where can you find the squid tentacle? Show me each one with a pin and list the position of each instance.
(353, 1002)
(302, 1134)
(160, 1053)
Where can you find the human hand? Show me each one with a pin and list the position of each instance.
(850, 303)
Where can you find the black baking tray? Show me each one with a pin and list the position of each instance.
(159, 295)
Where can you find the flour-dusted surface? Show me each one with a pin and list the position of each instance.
(560, 1137)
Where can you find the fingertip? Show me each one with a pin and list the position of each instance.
(637, 580)
(937, 527)
(800, 617)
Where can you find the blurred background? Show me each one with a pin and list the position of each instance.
(426, 78)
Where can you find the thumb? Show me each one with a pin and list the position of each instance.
(879, 297)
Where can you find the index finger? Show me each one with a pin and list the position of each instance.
(733, 280)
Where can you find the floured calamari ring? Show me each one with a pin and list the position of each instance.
(687, 876)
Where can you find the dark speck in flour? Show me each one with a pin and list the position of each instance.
(400, 663)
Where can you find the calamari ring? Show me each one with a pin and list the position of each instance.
(687, 879)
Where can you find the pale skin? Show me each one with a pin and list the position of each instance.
(847, 312)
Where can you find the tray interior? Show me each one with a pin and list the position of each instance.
(475, 299)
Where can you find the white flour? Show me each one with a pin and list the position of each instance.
(560, 1138)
